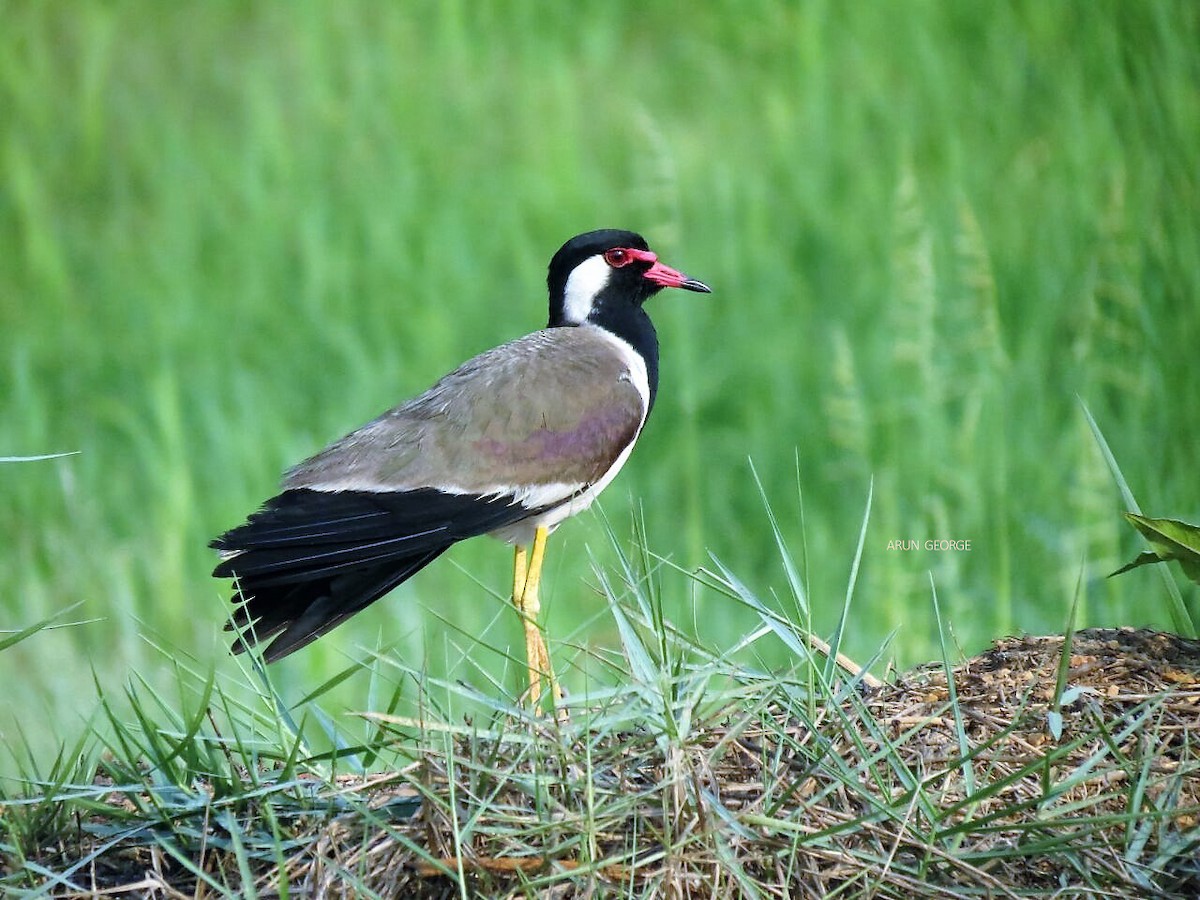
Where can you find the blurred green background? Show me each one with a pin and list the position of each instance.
(229, 233)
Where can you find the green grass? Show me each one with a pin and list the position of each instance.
(230, 235)
(683, 773)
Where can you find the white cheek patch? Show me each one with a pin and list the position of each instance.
(586, 281)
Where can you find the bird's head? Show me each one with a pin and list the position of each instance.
(596, 272)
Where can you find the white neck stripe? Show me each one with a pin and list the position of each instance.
(586, 280)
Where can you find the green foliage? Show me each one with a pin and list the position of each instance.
(1181, 616)
(682, 770)
(1169, 539)
(29, 631)
(233, 232)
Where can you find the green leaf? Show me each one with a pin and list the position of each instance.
(8, 639)
(16, 459)
(1145, 558)
(1054, 721)
(1169, 540)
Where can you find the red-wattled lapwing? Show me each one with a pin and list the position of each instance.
(510, 443)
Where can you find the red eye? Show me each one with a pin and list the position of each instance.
(617, 257)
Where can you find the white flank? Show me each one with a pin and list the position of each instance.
(585, 281)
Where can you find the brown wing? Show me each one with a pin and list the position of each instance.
(555, 407)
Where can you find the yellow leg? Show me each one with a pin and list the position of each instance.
(520, 567)
(532, 661)
(526, 583)
(536, 654)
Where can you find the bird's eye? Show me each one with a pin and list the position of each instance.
(617, 257)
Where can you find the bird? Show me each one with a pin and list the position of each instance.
(511, 443)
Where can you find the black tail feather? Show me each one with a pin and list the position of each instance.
(301, 613)
(309, 560)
